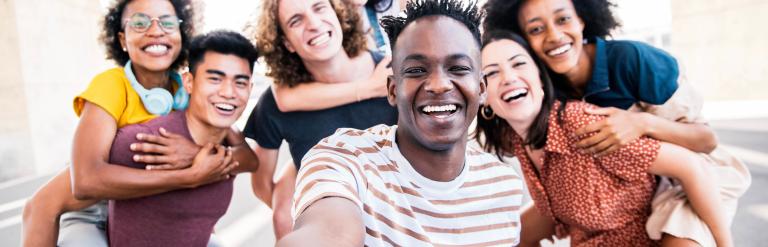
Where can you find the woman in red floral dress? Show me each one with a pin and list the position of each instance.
(596, 200)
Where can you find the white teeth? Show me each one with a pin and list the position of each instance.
(225, 107)
(156, 49)
(320, 40)
(559, 50)
(514, 94)
(440, 108)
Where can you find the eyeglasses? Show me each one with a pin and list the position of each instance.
(140, 22)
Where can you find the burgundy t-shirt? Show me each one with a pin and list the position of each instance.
(177, 218)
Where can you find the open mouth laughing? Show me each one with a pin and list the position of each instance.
(440, 110)
(225, 108)
(562, 49)
(156, 49)
(514, 95)
(320, 39)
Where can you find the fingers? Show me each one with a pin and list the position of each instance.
(151, 159)
(601, 147)
(146, 147)
(592, 140)
(144, 137)
(167, 134)
(221, 152)
(608, 151)
(227, 156)
(593, 127)
(207, 148)
(228, 163)
(160, 167)
(386, 62)
(384, 67)
(231, 166)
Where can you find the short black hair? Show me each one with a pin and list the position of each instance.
(494, 135)
(112, 25)
(224, 42)
(466, 13)
(596, 14)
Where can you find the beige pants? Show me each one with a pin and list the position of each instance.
(672, 213)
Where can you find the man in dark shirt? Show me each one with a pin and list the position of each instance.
(329, 54)
(220, 64)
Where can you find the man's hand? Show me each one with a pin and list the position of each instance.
(376, 86)
(212, 164)
(619, 128)
(167, 151)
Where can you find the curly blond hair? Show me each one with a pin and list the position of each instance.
(286, 67)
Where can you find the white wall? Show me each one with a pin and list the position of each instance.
(724, 45)
(16, 156)
(53, 52)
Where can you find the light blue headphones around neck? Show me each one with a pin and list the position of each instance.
(159, 101)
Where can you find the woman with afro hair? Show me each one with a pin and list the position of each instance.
(148, 41)
(642, 92)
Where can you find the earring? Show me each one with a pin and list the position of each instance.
(585, 41)
(124, 49)
(487, 113)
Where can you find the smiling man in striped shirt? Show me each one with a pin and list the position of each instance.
(417, 183)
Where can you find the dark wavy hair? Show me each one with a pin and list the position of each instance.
(495, 135)
(466, 13)
(112, 25)
(596, 14)
(287, 67)
(224, 42)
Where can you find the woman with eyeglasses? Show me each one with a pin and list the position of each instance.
(148, 39)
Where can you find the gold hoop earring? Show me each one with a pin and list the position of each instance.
(487, 113)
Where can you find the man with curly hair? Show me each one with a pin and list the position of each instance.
(304, 41)
(416, 183)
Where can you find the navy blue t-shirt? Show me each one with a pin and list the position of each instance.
(304, 129)
(627, 72)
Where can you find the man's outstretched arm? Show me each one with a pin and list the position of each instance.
(331, 221)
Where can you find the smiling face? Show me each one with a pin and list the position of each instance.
(437, 86)
(219, 89)
(554, 30)
(153, 50)
(311, 29)
(515, 90)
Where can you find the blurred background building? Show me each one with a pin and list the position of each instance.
(50, 52)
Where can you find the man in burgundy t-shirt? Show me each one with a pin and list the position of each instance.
(151, 220)
(220, 64)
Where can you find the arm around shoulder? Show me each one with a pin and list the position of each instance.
(697, 137)
(314, 96)
(93, 177)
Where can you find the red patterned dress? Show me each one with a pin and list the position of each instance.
(597, 201)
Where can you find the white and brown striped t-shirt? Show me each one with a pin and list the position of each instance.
(400, 207)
